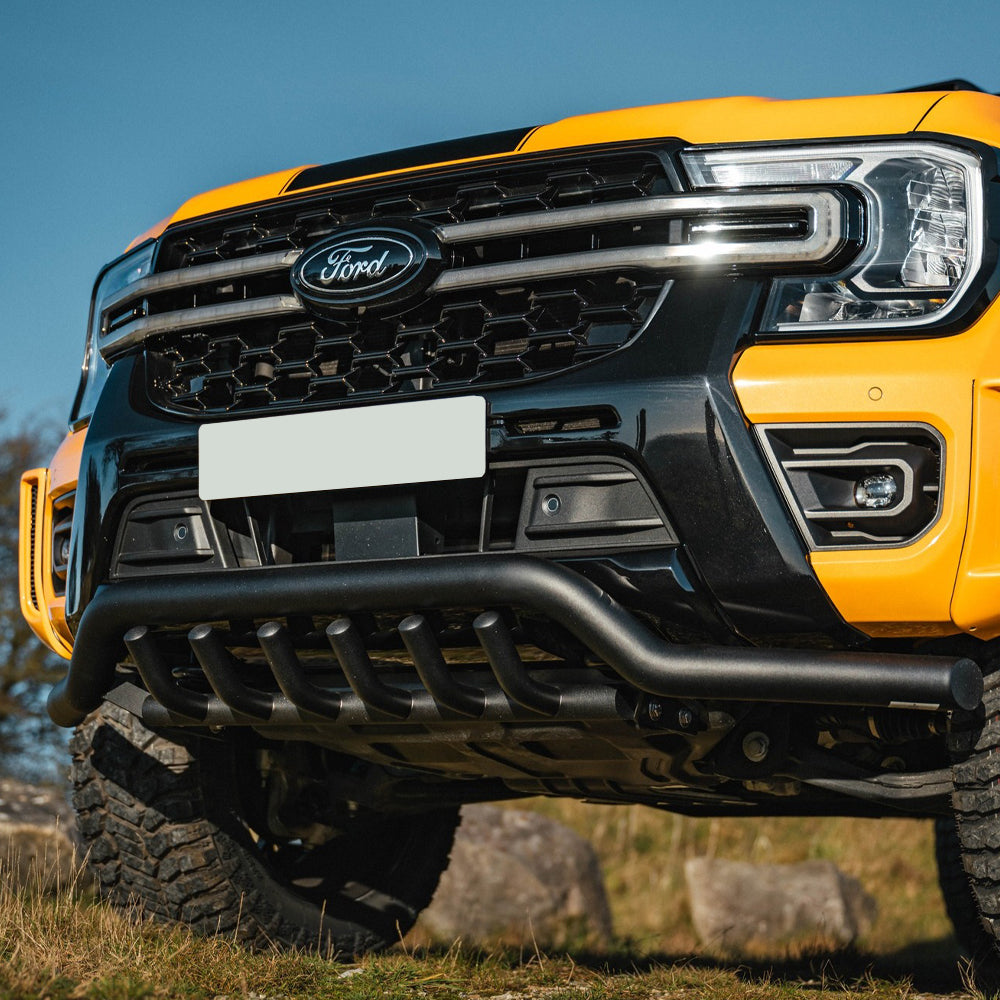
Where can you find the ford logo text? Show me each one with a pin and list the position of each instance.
(375, 267)
(346, 267)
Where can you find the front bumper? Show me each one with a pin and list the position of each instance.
(680, 429)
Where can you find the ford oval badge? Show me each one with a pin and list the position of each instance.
(381, 267)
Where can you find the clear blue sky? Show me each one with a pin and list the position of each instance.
(113, 113)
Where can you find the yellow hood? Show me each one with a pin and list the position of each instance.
(730, 119)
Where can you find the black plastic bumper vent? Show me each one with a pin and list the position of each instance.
(543, 507)
(830, 473)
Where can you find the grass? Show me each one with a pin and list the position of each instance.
(66, 944)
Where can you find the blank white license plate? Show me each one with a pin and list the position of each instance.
(385, 445)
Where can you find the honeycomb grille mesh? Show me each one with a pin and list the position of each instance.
(487, 337)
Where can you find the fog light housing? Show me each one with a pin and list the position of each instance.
(876, 492)
(62, 525)
(858, 485)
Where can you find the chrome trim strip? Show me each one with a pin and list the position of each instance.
(826, 234)
(138, 330)
(201, 274)
(639, 209)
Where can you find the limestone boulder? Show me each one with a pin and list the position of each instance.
(736, 904)
(518, 878)
(37, 830)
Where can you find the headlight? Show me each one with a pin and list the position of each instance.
(924, 240)
(116, 276)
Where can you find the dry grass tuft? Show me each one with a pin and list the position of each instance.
(65, 944)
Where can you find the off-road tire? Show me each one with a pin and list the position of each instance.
(961, 905)
(166, 835)
(968, 846)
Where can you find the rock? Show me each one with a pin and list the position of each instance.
(37, 858)
(518, 878)
(735, 904)
(43, 806)
(37, 830)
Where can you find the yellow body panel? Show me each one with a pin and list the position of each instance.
(910, 590)
(976, 604)
(150, 234)
(65, 465)
(976, 116)
(241, 193)
(41, 490)
(741, 119)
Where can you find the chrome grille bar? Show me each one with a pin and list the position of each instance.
(191, 319)
(202, 274)
(676, 206)
(825, 221)
(666, 258)
(826, 232)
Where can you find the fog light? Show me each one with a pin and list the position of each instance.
(876, 492)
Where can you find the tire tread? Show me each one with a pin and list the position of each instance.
(155, 845)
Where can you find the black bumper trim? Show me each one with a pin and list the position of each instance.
(608, 630)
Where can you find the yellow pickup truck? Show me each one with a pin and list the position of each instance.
(649, 456)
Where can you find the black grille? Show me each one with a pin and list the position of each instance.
(470, 339)
(32, 534)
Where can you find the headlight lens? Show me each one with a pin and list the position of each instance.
(924, 232)
(116, 276)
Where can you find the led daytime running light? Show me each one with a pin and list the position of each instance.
(924, 239)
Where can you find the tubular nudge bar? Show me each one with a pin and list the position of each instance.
(612, 634)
